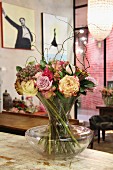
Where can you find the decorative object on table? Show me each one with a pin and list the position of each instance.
(107, 96)
(7, 101)
(19, 106)
(27, 106)
(57, 84)
(30, 106)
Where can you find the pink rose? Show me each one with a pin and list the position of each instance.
(48, 94)
(43, 83)
(38, 74)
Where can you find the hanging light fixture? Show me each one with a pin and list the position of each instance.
(100, 18)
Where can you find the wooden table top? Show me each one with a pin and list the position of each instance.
(22, 122)
(104, 107)
(17, 154)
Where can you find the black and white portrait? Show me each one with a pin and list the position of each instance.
(18, 27)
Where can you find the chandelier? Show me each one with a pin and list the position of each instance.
(100, 18)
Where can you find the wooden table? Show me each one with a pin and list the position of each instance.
(17, 154)
(18, 123)
(105, 110)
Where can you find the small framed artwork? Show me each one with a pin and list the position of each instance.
(0, 23)
(18, 27)
(54, 35)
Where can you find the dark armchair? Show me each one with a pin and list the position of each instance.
(103, 123)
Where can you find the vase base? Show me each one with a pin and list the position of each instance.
(62, 149)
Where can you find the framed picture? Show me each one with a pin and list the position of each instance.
(0, 22)
(54, 34)
(18, 27)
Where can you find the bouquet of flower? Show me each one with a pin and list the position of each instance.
(52, 79)
(107, 95)
(57, 84)
(106, 92)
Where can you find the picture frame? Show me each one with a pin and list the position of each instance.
(54, 35)
(18, 29)
(0, 24)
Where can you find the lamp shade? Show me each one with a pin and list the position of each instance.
(100, 18)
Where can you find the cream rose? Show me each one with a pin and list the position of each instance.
(69, 86)
(28, 88)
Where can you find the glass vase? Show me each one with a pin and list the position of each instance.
(58, 139)
(108, 100)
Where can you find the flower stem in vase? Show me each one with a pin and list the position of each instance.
(60, 139)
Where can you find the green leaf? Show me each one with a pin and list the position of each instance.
(18, 68)
(61, 74)
(60, 95)
(84, 93)
(31, 63)
(82, 89)
(43, 63)
(78, 73)
(87, 82)
(89, 85)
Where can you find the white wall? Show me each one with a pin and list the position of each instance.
(10, 58)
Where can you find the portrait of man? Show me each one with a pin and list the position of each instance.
(20, 28)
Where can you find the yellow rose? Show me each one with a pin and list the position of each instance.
(69, 86)
(28, 88)
(18, 87)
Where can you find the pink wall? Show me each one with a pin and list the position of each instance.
(109, 57)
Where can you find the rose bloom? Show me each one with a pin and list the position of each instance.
(69, 86)
(49, 94)
(38, 74)
(47, 73)
(43, 83)
(29, 88)
(18, 87)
